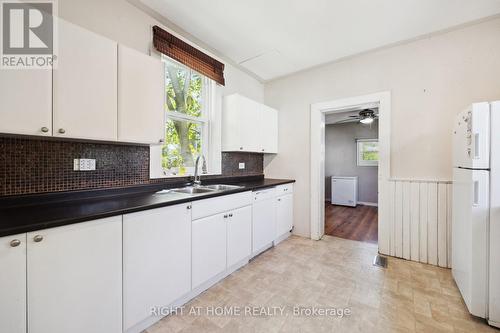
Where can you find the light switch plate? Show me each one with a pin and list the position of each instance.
(241, 166)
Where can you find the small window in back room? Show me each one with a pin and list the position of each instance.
(367, 152)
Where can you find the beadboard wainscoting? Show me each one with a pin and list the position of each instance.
(420, 220)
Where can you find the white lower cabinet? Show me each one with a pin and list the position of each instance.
(13, 284)
(84, 277)
(263, 220)
(156, 260)
(209, 248)
(239, 235)
(284, 214)
(74, 278)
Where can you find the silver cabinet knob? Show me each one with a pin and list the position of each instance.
(15, 242)
(225, 216)
(38, 238)
(241, 148)
(62, 130)
(231, 215)
(262, 149)
(161, 141)
(44, 129)
(188, 207)
(279, 199)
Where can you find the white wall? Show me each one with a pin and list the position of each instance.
(431, 80)
(341, 157)
(123, 22)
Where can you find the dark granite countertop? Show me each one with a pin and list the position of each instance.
(34, 212)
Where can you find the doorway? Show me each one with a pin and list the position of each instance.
(351, 174)
(319, 111)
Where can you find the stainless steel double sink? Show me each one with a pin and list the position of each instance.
(200, 189)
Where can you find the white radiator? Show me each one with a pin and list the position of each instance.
(420, 220)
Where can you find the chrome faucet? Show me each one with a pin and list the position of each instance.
(197, 178)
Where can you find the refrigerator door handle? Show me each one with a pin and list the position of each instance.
(475, 193)
(476, 146)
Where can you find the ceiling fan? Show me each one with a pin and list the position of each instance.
(366, 116)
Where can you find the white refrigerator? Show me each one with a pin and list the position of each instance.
(476, 209)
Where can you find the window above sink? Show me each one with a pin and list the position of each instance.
(192, 123)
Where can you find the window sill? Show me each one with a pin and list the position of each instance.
(189, 175)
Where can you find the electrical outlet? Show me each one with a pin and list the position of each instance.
(84, 164)
(241, 166)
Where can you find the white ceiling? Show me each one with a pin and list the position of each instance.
(273, 38)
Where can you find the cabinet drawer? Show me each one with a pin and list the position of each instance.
(284, 189)
(264, 194)
(207, 207)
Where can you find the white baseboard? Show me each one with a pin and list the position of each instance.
(282, 238)
(368, 203)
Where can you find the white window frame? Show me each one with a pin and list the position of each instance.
(211, 133)
(359, 152)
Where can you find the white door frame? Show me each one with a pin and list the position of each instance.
(318, 112)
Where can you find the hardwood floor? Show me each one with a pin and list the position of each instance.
(354, 223)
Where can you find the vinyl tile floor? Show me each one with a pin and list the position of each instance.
(314, 282)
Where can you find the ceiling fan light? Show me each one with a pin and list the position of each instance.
(366, 121)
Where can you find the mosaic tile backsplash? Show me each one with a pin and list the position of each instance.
(31, 165)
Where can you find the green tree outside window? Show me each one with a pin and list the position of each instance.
(184, 105)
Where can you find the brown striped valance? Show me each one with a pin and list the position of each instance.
(188, 55)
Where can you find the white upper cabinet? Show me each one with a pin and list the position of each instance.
(240, 123)
(85, 85)
(141, 97)
(26, 101)
(156, 260)
(269, 129)
(75, 278)
(13, 284)
(248, 126)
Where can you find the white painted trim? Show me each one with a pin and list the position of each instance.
(317, 160)
(364, 203)
(282, 238)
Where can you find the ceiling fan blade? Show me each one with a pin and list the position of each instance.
(346, 121)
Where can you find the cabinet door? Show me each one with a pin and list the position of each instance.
(263, 224)
(75, 278)
(269, 130)
(141, 100)
(240, 123)
(284, 214)
(26, 101)
(85, 85)
(239, 235)
(13, 284)
(209, 248)
(156, 260)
